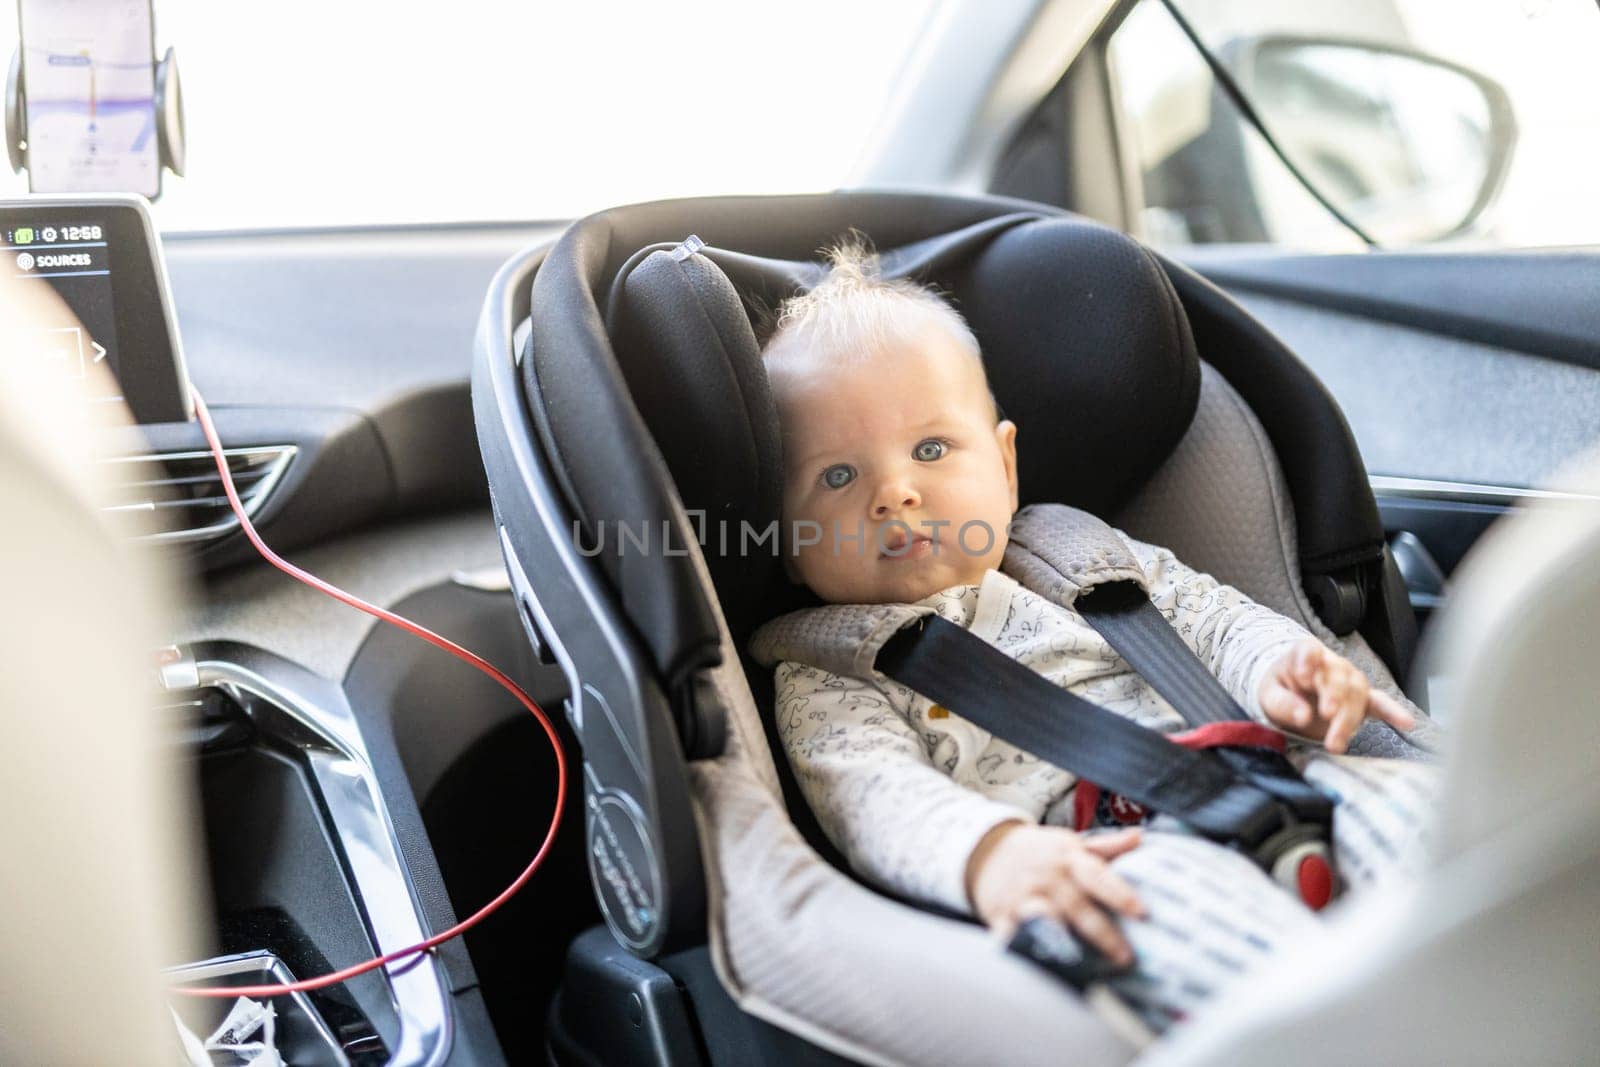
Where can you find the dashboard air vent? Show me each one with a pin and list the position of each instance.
(177, 497)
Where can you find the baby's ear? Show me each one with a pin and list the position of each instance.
(1005, 434)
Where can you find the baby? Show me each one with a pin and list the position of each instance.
(889, 428)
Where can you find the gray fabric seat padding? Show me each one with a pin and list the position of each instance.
(1221, 504)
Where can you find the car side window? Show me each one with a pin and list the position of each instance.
(1421, 121)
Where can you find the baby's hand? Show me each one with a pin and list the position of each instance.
(1319, 694)
(1019, 871)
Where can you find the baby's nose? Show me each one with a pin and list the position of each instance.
(895, 496)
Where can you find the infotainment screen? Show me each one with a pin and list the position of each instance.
(101, 256)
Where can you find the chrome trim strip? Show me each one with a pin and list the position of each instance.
(253, 498)
(616, 727)
(1468, 492)
(265, 685)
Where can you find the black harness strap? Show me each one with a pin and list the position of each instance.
(1140, 634)
(951, 666)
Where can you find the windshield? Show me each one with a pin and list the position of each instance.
(312, 113)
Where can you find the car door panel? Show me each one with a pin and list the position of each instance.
(1428, 406)
(1460, 404)
(1539, 301)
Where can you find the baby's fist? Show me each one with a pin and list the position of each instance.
(1018, 871)
(1319, 694)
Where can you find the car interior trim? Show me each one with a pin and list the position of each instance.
(1490, 415)
(253, 497)
(1467, 492)
(1469, 296)
(268, 687)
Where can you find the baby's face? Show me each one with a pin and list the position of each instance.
(903, 449)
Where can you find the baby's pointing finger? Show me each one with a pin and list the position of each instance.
(1390, 710)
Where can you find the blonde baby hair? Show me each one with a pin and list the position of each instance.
(854, 312)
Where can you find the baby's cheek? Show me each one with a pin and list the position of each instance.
(834, 577)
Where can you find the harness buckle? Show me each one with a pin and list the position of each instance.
(1298, 857)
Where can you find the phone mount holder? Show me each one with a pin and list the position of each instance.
(168, 104)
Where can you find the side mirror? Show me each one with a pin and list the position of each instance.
(1411, 147)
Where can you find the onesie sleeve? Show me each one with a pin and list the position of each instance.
(866, 773)
(1239, 640)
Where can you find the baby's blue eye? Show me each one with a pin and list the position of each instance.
(838, 476)
(928, 450)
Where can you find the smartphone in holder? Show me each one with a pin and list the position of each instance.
(89, 70)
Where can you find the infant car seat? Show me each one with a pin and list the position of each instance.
(630, 441)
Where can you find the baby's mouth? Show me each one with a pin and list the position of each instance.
(899, 545)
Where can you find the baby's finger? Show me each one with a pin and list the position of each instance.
(1092, 924)
(1111, 845)
(1097, 879)
(1286, 707)
(1390, 710)
(1332, 683)
(1346, 721)
(1304, 662)
(1029, 907)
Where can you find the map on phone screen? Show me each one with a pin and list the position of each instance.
(89, 70)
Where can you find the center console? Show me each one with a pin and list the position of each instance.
(322, 801)
(304, 860)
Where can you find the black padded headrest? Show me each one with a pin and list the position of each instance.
(643, 371)
(688, 351)
(1089, 353)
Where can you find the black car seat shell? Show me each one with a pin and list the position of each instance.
(632, 397)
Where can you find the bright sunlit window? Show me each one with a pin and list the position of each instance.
(313, 113)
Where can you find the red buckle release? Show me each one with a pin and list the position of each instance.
(1314, 878)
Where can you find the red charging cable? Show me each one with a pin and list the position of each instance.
(433, 639)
